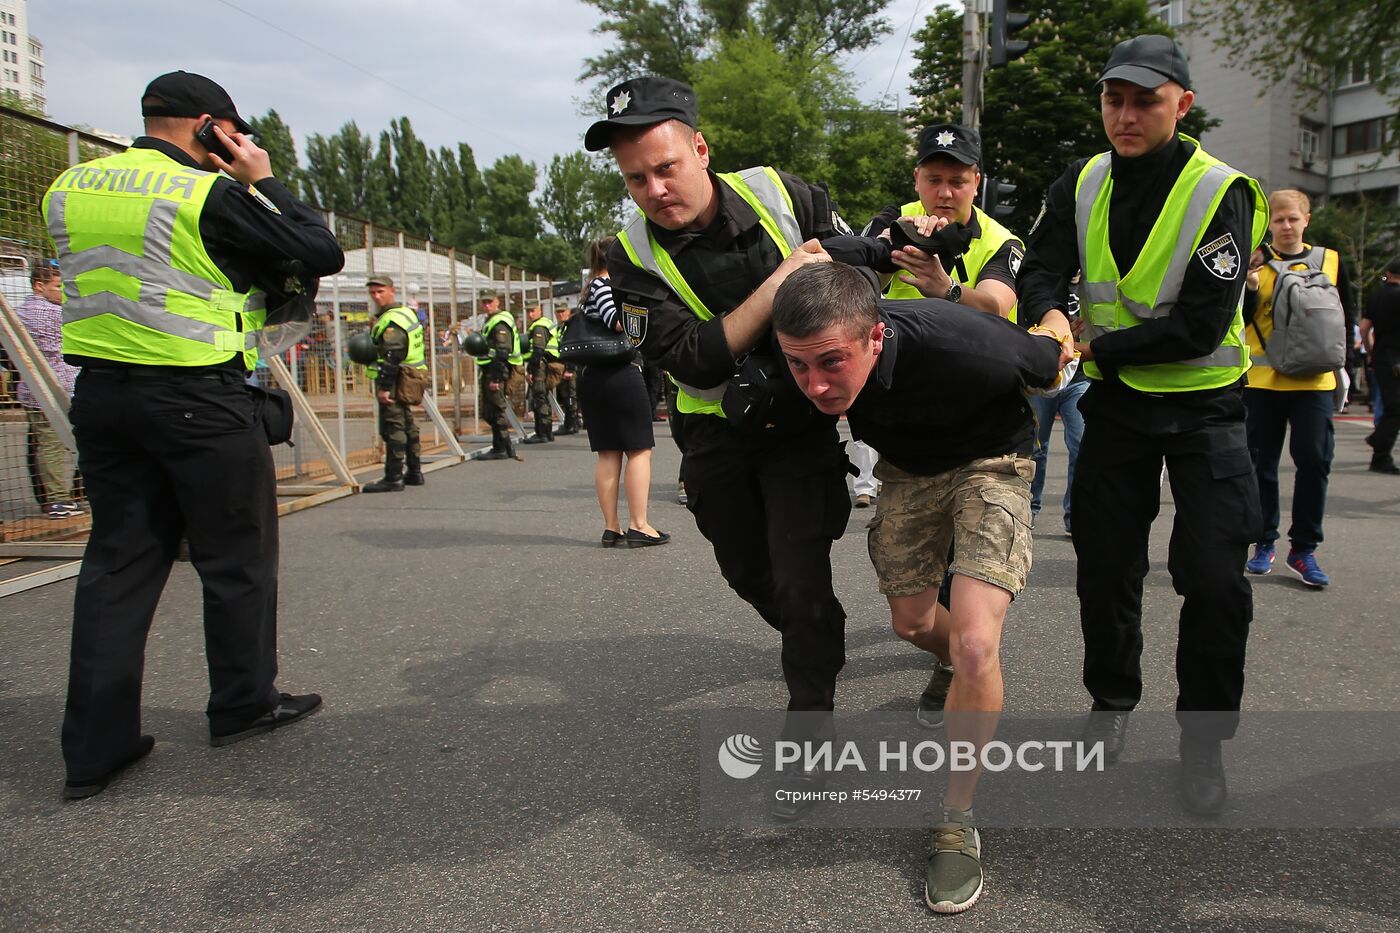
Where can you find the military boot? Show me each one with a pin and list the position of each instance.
(499, 442)
(539, 436)
(570, 425)
(390, 483)
(413, 472)
(549, 430)
(511, 452)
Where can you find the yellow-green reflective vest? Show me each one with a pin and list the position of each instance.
(763, 190)
(502, 317)
(1110, 301)
(551, 347)
(408, 322)
(979, 252)
(141, 287)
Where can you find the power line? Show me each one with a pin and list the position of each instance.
(363, 70)
(903, 45)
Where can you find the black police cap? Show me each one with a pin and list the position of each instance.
(642, 102)
(184, 94)
(1147, 61)
(951, 140)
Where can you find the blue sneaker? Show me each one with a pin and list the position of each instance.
(1262, 561)
(1304, 564)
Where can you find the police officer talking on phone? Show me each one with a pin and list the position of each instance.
(169, 264)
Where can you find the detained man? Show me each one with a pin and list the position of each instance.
(953, 475)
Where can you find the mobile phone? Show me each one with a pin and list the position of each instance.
(207, 138)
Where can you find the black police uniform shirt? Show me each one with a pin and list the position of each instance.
(1383, 311)
(724, 263)
(997, 269)
(949, 386)
(1206, 305)
(247, 239)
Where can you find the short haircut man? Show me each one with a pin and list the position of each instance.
(954, 475)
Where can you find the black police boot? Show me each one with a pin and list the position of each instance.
(570, 425)
(1202, 779)
(1109, 727)
(798, 793)
(1383, 464)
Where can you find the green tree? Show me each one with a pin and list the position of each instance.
(1274, 37)
(457, 189)
(760, 106)
(411, 194)
(1365, 230)
(671, 37)
(1040, 112)
(581, 200)
(276, 137)
(345, 174)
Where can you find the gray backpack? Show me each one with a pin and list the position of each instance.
(1309, 335)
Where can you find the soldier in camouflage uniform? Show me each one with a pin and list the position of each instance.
(496, 369)
(567, 390)
(398, 336)
(540, 346)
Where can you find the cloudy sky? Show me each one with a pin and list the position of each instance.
(501, 75)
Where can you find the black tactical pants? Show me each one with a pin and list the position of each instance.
(771, 511)
(1127, 437)
(164, 457)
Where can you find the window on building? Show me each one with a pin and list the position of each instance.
(1309, 141)
(1352, 73)
(1171, 12)
(1365, 136)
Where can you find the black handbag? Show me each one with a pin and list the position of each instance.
(587, 340)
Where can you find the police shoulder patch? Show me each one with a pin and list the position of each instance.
(1014, 261)
(263, 200)
(838, 223)
(634, 323)
(1221, 258)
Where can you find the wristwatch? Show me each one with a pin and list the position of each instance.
(954, 293)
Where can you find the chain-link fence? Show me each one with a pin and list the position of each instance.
(337, 418)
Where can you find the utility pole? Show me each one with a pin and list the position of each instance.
(972, 64)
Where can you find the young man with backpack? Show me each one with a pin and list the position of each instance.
(1298, 316)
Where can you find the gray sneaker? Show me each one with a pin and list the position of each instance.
(930, 711)
(953, 878)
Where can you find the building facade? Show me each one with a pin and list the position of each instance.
(21, 55)
(1331, 147)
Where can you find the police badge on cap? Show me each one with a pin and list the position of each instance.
(642, 102)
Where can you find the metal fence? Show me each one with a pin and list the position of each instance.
(337, 416)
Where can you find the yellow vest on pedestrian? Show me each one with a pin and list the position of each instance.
(1261, 374)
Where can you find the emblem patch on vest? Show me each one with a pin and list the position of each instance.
(1221, 258)
(634, 323)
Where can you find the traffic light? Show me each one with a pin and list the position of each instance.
(995, 197)
(1002, 48)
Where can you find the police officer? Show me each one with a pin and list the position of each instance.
(694, 272)
(398, 338)
(168, 262)
(540, 345)
(567, 390)
(497, 367)
(947, 177)
(1163, 232)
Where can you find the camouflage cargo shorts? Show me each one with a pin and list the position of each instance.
(982, 509)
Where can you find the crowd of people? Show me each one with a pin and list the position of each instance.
(1147, 310)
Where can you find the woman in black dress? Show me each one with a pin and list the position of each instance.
(614, 399)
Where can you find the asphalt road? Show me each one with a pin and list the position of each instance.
(505, 743)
